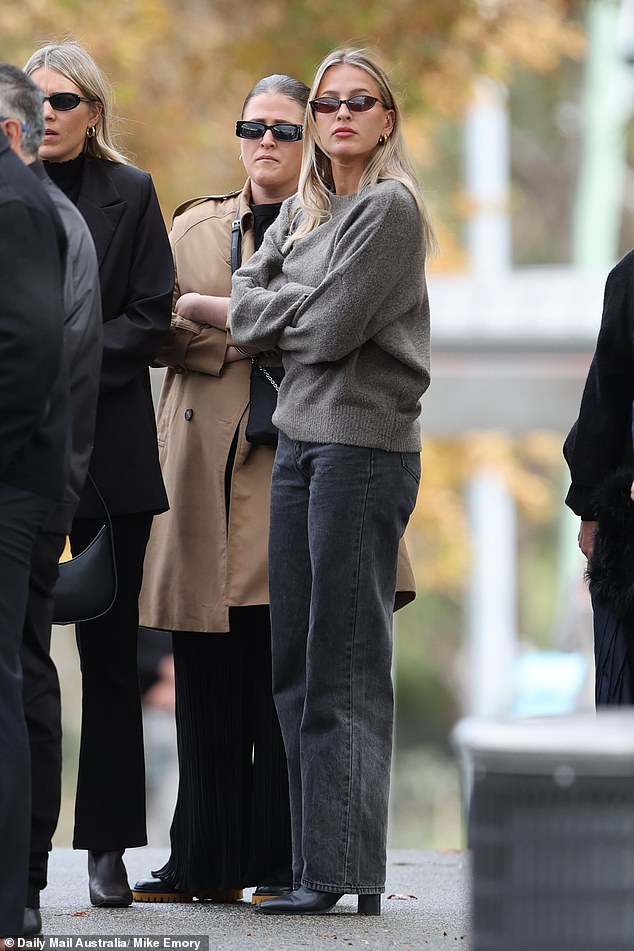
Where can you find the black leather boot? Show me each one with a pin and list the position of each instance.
(107, 880)
(266, 892)
(32, 922)
(301, 901)
(306, 901)
(156, 890)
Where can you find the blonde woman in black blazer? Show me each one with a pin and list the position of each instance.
(121, 209)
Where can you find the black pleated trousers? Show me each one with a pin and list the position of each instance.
(231, 826)
(110, 800)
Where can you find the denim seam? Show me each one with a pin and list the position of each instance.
(351, 671)
(415, 475)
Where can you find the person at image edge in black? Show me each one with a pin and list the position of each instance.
(121, 209)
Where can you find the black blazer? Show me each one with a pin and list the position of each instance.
(601, 440)
(136, 271)
(33, 379)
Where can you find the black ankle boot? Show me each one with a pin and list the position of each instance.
(306, 901)
(267, 892)
(107, 880)
(32, 922)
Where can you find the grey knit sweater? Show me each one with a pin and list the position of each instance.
(348, 308)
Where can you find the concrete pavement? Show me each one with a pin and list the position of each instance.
(435, 918)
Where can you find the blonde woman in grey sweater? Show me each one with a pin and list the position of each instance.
(339, 287)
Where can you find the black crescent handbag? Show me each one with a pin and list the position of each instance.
(86, 587)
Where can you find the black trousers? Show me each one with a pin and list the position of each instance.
(21, 514)
(231, 825)
(42, 708)
(110, 801)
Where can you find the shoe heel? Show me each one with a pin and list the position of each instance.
(369, 905)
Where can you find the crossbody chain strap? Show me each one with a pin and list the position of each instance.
(265, 373)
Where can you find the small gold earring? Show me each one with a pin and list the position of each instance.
(91, 132)
(383, 138)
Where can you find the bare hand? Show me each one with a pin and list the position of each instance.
(233, 355)
(585, 537)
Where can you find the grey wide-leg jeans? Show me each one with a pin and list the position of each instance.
(337, 515)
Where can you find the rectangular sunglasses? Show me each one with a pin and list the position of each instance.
(282, 131)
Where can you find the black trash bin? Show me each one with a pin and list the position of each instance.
(551, 831)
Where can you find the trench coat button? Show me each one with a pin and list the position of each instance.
(188, 414)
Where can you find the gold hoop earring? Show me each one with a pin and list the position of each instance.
(383, 138)
(91, 132)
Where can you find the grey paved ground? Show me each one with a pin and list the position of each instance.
(436, 918)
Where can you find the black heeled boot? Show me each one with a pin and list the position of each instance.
(267, 892)
(306, 901)
(108, 880)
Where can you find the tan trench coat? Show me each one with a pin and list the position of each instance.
(197, 566)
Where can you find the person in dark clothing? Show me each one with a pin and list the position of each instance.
(33, 468)
(20, 98)
(119, 204)
(598, 446)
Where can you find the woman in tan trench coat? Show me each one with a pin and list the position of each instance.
(206, 566)
(205, 574)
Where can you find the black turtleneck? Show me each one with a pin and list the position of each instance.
(67, 175)
(263, 216)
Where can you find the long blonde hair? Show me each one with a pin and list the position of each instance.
(390, 159)
(76, 64)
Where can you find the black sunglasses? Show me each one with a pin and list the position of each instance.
(282, 131)
(65, 101)
(354, 104)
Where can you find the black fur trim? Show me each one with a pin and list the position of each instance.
(611, 571)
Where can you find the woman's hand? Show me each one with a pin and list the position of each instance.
(203, 309)
(234, 354)
(585, 537)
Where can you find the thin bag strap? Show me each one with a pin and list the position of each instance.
(236, 243)
(236, 260)
(109, 521)
(265, 373)
(101, 499)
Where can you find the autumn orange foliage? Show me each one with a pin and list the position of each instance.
(181, 68)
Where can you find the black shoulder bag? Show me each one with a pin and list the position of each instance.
(86, 586)
(265, 381)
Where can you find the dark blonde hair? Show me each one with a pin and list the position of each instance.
(389, 161)
(76, 64)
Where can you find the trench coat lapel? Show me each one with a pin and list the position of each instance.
(101, 205)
